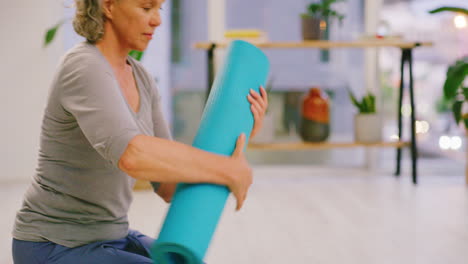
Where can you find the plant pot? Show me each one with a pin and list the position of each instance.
(267, 132)
(367, 128)
(311, 29)
(315, 117)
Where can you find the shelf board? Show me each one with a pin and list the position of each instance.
(324, 145)
(323, 44)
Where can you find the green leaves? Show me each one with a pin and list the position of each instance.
(50, 33)
(367, 105)
(354, 100)
(456, 74)
(327, 3)
(314, 9)
(137, 55)
(457, 109)
(323, 10)
(450, 9)
(454, 91)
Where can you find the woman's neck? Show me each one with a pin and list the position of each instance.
(113, 49)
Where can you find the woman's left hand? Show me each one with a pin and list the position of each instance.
(259, 105)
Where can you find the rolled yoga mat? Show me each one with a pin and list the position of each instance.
(196, 208)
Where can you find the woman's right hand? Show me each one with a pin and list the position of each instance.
(241, 174)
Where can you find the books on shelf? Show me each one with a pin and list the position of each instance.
(254, 36)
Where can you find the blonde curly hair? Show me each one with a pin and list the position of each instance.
(89, 19)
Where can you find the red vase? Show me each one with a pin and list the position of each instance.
(315, 113)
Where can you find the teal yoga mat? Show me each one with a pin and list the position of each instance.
(196, 208)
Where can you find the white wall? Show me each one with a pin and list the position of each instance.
(27, 69)
(25, 74)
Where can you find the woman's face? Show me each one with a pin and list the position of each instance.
(134, 21)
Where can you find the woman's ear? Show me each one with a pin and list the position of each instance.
(107, 8)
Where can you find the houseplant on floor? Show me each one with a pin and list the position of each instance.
(367, 123)
(456, 92)
(455, 86)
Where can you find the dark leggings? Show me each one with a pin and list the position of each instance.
(134, 248)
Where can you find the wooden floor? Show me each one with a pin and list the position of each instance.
(304, 214)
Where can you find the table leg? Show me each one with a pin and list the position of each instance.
(400, 104)
(414, 150)
(210, 70)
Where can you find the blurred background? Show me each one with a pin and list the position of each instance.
(180, 71)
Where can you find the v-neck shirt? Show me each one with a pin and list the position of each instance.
(78, 194)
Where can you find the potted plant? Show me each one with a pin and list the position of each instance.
(315, 21)
(457, 93)
(455, 87)
(367, 123)
(455, 90)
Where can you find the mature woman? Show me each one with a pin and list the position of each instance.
(102, 129)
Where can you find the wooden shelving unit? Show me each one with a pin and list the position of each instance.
(320, 44)
(324, 145)
(406, 48)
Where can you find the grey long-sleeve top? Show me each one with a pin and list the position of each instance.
(78, 195)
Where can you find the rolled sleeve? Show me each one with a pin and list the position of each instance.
(116, 145)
